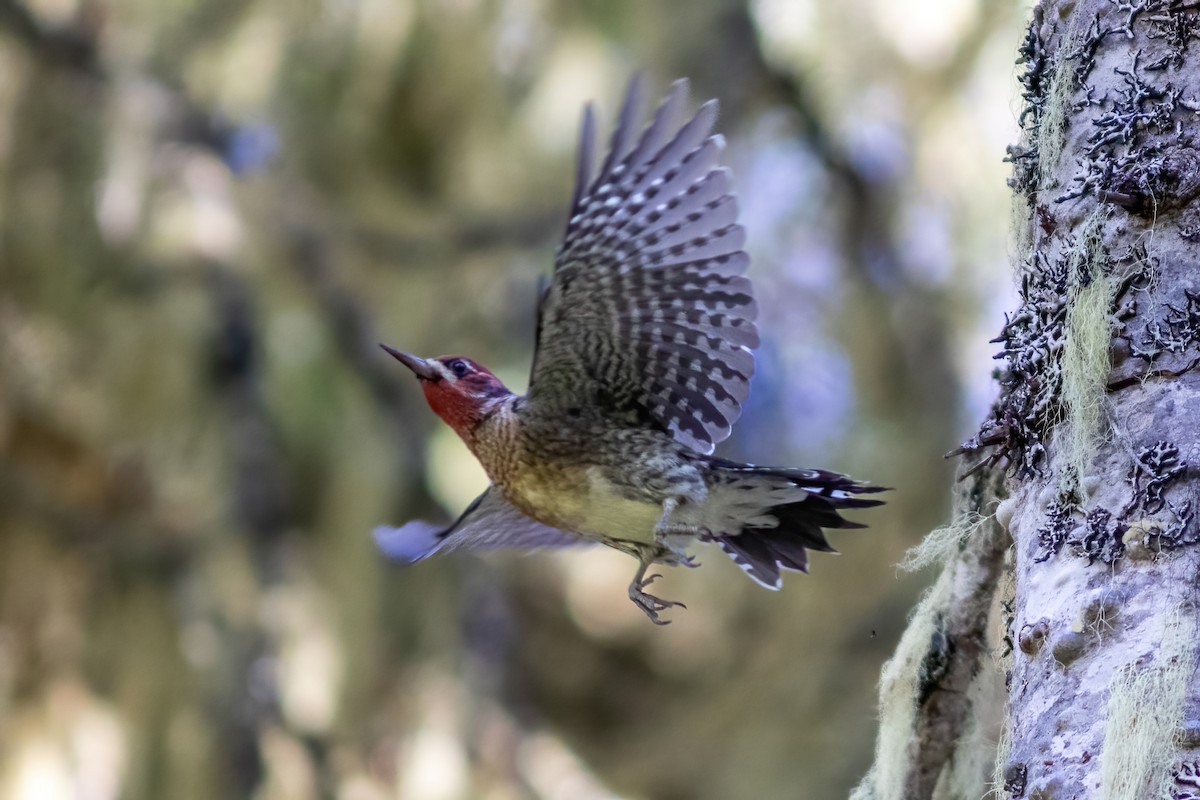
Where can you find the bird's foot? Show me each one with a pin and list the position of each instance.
(669, 528)
(648, 603)
(681, 530)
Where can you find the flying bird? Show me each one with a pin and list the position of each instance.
(643, 359)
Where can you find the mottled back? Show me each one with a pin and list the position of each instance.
(648, 313)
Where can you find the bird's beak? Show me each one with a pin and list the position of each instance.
(419, 366)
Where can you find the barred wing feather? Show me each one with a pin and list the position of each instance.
(648, 311)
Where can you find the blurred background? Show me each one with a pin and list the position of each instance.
(212, 210)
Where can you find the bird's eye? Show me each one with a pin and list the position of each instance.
(458, 367)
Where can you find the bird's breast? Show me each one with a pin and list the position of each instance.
(584, 501)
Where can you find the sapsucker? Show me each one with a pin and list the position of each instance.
(643, 359)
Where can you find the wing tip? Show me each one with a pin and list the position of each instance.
(585, 157)
(706, 116)
(407, 544)
(680, 87)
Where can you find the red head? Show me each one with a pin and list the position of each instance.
(458, 390)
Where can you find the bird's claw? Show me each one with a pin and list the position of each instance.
(648, 603)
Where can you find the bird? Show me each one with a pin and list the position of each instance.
(642, 361)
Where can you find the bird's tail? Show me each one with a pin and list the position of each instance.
(767, 518)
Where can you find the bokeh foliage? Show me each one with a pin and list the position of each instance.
(210, 212)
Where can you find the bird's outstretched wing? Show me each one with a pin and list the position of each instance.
(648, 312)
(489, 523)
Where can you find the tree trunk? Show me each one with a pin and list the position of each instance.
(1055, 657)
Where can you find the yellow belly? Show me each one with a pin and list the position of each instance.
(587, 504)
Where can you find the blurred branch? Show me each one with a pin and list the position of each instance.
(520, 230)
(73, 47)
(969, 47)
(350, 322)
(200, 26)
(103, 533)
(259, 484)
(357, 339)
(262, 502)
(957, 651)
(259, 503)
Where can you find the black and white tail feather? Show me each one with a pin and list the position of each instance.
(767, 518)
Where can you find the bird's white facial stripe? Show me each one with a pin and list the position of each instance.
(443, 372)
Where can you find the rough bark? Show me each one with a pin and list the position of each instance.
(1095, 434)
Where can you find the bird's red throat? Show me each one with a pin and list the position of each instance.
(462, 410)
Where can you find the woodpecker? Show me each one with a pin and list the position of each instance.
(643, 358)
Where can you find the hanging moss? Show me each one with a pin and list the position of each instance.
(942, 544)
(1020, 231)
(1000, 767)
(899, 689)
(1146, 714)
(1051, 132)
(1091, 291)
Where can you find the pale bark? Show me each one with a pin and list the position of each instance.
(1095, 435)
